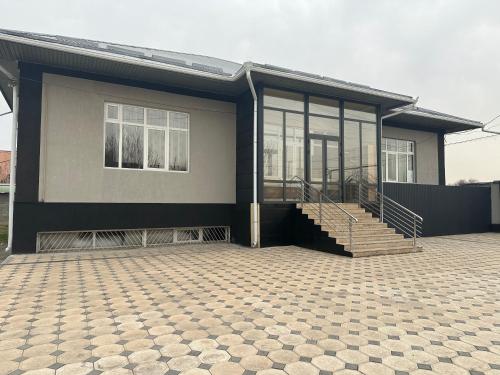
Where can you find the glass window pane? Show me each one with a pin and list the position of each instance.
(273, 144)
(384, 173)
(323, 125)
(384, 144)
(156, 148)
(112, 111)
(351, 151)
(316, 160)
(357, 111)
(132, 144)
(411, 146)
(133, 114)
(179, 120)
(411, 169)
(156, 117)
(402, 167)
(112, 144)
(391, 167)
(324, 106)
(369, 152)
(392, 144)
(178, 150)
(402, 146)
(273, 191)
(294, 145)
(283, 100)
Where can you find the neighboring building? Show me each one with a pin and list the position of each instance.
(4, 167)
(137, 146)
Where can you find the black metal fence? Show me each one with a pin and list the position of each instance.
(445, 209)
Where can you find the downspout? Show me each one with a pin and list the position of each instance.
(13, 153)
(255, 216)
(401, 110)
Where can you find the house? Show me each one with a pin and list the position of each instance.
(121, 145)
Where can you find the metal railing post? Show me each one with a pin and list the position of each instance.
(381, 208)
(303, 193)
(320, 208)
(414, 232)
(350, 234)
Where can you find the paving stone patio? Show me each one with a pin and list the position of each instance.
(223, 309)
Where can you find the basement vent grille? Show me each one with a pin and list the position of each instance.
(129, 238)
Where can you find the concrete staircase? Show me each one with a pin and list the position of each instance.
(370, 237)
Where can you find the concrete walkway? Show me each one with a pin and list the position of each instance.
(223, 309)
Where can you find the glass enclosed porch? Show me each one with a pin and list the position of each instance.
(329, 142)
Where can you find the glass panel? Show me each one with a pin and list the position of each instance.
(369, 152)
(391, 144)
(411, 168)
(391, 167)
(294, 145)
(357, 111)
(411, 146)
(352, 160)
(112, 111)
(323, 125)
(156, 117)
(133, 114)
(283, 100)
(402, 146)
(316, 161)
(273, 144)
(112, 144)
(179, 120)
(384, 172)
(332, 170)
(156, 148)
(384, 144)
(402, 167)
(133, 144)
(273, 191)
(324, 106)
(178, 150)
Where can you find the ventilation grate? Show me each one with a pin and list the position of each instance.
(129, 238)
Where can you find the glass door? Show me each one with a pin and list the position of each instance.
(324, 165)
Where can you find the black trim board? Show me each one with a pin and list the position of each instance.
(441, 159)
(30, 218)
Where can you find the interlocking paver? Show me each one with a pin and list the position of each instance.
(222, 309)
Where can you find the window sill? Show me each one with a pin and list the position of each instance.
(146, 170)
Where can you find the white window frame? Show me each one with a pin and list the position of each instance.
(146, 127)
(397, 153)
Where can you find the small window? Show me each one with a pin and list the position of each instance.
(283, 100)
(398, 160)
(145, 138)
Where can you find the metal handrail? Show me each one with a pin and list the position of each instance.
(391, 212)
(310, 194)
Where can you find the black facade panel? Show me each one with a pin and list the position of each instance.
(244, 148)
(276, 224)
(445, 209)
(28, 135)
(240, 229)
(31, 218)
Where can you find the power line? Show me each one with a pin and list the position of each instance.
(472, 140)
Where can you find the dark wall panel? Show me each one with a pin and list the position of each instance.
(277, 222)
(445, 209)
(31, 218)
(28, 136)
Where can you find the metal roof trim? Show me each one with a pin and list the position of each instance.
(282, 72)
(444, 117)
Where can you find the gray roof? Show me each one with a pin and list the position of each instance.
(193, 71)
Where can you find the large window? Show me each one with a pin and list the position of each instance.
(398, 160)
(145, 138)
(283, 150)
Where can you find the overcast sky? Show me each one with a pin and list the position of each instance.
(445, 52)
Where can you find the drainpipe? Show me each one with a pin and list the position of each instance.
(13, 153)
(255, 221)
(401, 110)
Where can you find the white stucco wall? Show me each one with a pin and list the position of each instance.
(426, 150)
(71, 152)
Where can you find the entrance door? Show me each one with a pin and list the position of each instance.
(324, 165)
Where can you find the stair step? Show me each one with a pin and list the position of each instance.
(386, 243)
(379, 251)
(372, 238)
